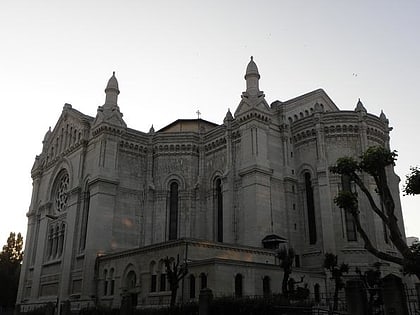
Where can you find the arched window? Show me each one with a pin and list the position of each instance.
(203, 281)
(163, 282)
(192, 287)
(173, 211)
(238, 285)
(310, 205)
(153, 278)
(105, 282)
(55, 242)
(60, 193)
(350, 224)
(85, 219)
(111, 282)
(162, 276)
(130, 280)
(266, 286)
(50, 242)
(61, 239)
(219, 208)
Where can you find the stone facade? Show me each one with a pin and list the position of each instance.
(109, 203)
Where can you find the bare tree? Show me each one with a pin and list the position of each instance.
(337, 271)
(286, 257)
(176, 271)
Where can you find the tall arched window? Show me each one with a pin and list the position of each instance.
(173, 211)
(85, 218)
(350, 224)
(310, 208)
(238, 285)
(219, 209)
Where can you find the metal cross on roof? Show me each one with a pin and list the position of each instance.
(198, 113)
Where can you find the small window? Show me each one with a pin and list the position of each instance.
(266, 286)
(203, 281)
(153, 283)
(111, 282)
(297, 261)
(238, 285)
(163, 282)
(192, 287)
(105, 282)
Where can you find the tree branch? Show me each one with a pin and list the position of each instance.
(367, 193)
(369, 246)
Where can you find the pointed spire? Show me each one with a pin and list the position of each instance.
(110, 112)
(360, 107)
(228, 116)
(152, 130)
(112, 92)
(382, 117)
(252, 77)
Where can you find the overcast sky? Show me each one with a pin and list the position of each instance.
(174, 57)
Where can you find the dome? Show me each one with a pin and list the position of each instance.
(252, 69)
(112, 83)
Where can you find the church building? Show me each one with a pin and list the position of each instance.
(110, 203)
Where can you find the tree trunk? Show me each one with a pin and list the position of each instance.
(284, 283)
(173, 296)
(335, 305)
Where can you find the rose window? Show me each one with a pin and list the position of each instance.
(61, 192)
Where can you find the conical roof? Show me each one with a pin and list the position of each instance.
(252, 69)
(112, 83)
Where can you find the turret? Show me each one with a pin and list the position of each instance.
(111, 91)
(252, 78)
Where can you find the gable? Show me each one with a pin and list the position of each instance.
(304, 105)
(189, 125)
(70, 129)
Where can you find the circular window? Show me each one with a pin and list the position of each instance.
(61, 192)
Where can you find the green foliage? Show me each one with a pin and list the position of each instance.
(411, 266)
(376, 158)
(10, 260)
(412, 182)
(373, 160)
(286, 257)
(12, 251)
(345, 166)
(347, 200)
